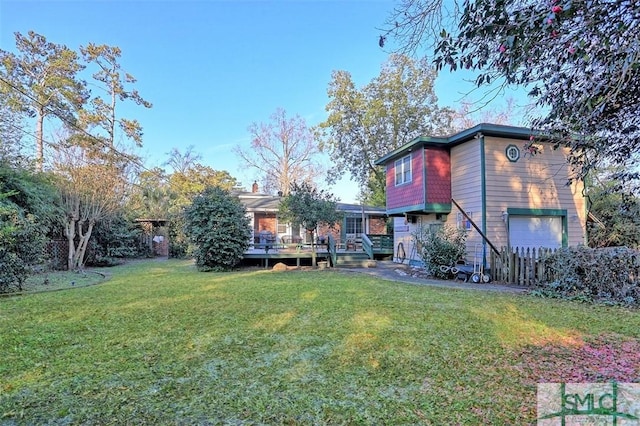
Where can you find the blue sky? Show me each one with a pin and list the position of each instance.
(211, 68)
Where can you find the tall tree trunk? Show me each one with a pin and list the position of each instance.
(40, 139)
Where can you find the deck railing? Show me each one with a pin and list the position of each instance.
(367, 246)
(381, 241)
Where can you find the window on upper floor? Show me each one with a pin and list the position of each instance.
(403, 170)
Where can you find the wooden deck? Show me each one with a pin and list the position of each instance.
(302, 257)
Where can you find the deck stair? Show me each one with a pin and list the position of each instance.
(353, 260)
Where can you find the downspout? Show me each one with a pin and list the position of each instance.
(483, 185)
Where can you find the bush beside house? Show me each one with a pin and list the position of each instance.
(218, 228)
(609, 275)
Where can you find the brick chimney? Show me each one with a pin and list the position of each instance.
(254, 187)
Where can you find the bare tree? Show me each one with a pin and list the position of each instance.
(92, 187)
(181, 163)
(470, 114)
(283, 151)
(417, 24)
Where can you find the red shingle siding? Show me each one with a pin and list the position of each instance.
(409, 194)
(438, 164)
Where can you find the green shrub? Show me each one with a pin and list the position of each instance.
(22, 243)
(29, 209)
(440, 246)
(217, 225)
(113, 240)
(178, 241)
(610, 275)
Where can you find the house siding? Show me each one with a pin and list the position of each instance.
(466, 189)
(534, 182)
(473, 169)
(438, 170)
(404, 241)
(430, 186)
(409, 194)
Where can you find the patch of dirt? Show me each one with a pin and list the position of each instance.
(597, 359)
(60, 280)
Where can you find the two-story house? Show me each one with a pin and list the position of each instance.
(485, 179)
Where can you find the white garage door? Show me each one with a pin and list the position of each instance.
(535, 231)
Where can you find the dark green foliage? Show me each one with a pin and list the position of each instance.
(28, 207)
(30, 192)
(547, 48)
(218, 227)
(308, 207)
(617, 210)
(113, 240)
(440, 246)
(22, 242)
(178, 241)
(610, 275)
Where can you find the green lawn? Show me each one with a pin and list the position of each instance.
(160, 343)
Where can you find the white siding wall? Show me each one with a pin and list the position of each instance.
(404, 231)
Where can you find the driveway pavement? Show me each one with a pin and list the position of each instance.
(392, 271)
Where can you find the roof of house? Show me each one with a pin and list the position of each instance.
(256, 202)
(486, 129)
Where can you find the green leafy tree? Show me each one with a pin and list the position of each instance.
(188, 179)
(151, 196)
(185, 185)
(307, 206)
(578, 59)
(29, 208)
(365, 124)
(21, 247)
(615, 208)
(283, 151)
(217, 225)
(32, 193)
(42, 80)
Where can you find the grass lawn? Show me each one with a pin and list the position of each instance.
(160, 343)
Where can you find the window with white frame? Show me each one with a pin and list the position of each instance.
(353, 225)
(403, 170)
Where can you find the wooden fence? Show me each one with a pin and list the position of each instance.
(521, 266)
